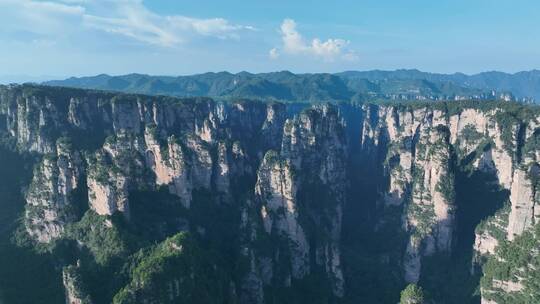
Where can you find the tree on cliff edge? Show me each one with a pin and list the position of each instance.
(412, 294)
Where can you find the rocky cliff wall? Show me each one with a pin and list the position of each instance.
(284, 170)
(426, 145)
(119, 144)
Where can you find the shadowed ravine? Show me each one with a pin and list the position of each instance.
(120, 198)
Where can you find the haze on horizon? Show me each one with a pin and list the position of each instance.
(60, 38)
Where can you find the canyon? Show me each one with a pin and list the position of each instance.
(154, 199)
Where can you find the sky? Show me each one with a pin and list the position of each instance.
(45, 39)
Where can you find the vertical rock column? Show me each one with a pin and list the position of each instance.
(429, 216)
(301, 190)
(49, 206)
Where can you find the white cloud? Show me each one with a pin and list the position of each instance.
(292, 40)
(129, 18)
(274, 53)
(216, 27)
(132, 19)
(295, 44)
(38, 17)
(74, 1)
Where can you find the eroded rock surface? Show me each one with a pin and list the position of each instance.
(284, 170)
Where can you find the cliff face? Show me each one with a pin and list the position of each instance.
(300, 193)
(75, 293)
(266, 185)
(121, 144)
(425, 146)
(50, 206)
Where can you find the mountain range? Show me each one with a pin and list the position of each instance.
(351, 85)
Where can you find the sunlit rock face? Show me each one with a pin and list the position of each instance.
(283, 170)
(286, 212)
(420, 179)
(120, 145)
(49, 197)
(421, 143)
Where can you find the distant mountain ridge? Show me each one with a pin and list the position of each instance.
(525, 84)
(284, 85)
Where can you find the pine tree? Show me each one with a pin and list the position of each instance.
(412, 294)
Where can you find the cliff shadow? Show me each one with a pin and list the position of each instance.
(448, 279)
(24, 274)
(371, 276)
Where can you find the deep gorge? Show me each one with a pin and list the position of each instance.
(150, 199)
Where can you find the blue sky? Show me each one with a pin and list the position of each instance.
(59, 38)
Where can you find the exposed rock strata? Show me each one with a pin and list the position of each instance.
(286, 172)
(50, 206)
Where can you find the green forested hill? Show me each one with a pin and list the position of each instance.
(286, 86)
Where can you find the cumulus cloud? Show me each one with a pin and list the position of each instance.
(274, 53)
(129, 18)
(295, 44)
